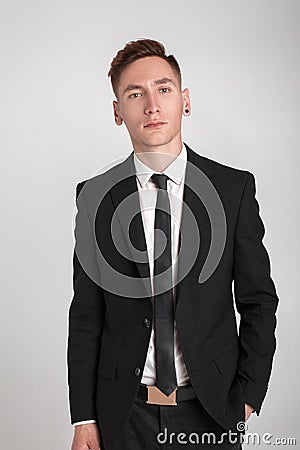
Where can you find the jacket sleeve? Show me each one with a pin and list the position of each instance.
(86, 317)
(256, 299)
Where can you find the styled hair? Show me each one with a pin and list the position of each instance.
(134, 50)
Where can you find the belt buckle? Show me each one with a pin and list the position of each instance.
(157, 397)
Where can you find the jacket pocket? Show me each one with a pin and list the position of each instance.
(227, 361)
(107, 367)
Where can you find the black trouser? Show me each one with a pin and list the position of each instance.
(152, 427)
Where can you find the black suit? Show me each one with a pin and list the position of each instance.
(108, 338)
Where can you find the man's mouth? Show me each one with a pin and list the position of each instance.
(155, 124)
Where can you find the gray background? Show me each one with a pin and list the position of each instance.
(240, 60)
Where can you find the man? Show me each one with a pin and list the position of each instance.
(148, 361)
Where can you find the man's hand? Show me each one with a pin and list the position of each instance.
(248, 411)
(86, 437)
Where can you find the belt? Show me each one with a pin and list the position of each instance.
(153, 396)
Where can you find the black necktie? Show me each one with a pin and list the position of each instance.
(163, 302)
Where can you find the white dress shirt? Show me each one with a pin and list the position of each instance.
(147, 197)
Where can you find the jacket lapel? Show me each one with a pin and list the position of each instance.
(194, 222)
(126, 186)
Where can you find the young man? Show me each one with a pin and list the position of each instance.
(154, 349)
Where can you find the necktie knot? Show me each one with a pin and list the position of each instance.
(160, 179)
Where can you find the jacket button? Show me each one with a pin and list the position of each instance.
(147, 322)
(137, 371)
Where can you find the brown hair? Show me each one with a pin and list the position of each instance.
(134, 50)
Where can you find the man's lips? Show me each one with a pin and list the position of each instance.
(156, 124)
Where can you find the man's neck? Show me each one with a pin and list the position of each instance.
(160, 157)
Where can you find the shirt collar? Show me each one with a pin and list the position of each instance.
(175, 171)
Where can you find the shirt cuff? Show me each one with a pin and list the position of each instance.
(83, 422)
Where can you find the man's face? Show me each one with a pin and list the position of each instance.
(151, 103)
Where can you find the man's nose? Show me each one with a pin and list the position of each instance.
(151, 104)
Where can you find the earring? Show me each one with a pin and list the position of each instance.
(187, 111)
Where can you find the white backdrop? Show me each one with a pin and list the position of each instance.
(240, 59)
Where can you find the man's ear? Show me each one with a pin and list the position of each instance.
(186, 111)
(118, 118)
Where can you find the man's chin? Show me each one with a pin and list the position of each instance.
(156, 141)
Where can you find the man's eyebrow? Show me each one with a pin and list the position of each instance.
(164, 81)
(132, 87)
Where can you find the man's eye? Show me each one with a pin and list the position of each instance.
(135, 94)
(165, 89)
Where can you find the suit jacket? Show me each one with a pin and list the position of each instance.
(228, 365)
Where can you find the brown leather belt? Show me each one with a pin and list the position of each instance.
(153, 396)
